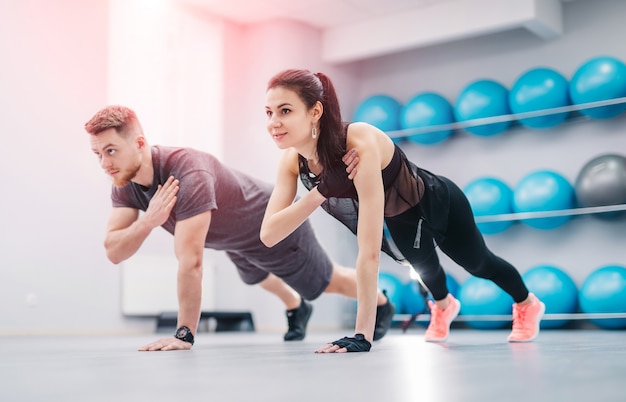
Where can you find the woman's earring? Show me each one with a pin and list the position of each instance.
(314, 133)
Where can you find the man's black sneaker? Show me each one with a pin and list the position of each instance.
(384, 316)
(297, 319)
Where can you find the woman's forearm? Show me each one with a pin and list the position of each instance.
(367, 294)
(278, 225)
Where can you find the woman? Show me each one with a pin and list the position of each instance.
(421, 210)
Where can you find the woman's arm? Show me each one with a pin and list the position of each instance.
(282, 215)
(369, 186)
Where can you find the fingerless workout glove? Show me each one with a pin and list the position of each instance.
(356, 344)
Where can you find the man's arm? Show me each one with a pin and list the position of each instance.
(189, 247)
(190, 235)
(126, 230)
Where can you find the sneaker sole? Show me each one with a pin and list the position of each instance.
(456, 314)
(540, 316)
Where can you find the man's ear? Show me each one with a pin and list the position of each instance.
(141, 141)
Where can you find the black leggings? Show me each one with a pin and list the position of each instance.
(462, 242)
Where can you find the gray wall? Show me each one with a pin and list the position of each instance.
(55, 277)
(591, 28)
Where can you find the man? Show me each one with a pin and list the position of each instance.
(205, 204)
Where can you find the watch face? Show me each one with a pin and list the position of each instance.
(184, 334)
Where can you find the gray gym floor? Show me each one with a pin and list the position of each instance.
(474, 365)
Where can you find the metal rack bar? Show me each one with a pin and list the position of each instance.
(549, 214)
(509, 317)
(504, 118)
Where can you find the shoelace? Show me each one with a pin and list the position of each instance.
(291, 319)
(437, 317)
(520, 316)
(291, 322)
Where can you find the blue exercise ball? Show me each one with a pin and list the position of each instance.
(597, 79)
(413, 301)
(556, 289)
(490, 196)
(480, 296)
(452, 284)
(382, 111)
(480, 99)
(604, 291)
(602, 182)
(544, 190)
(538, 89)
(392, 285)
(424, 110)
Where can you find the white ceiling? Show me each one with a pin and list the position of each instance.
(317, 13)
(417, 22)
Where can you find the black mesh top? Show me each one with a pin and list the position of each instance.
(405, 186)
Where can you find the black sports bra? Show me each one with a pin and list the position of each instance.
(403, 189)
(389, 172)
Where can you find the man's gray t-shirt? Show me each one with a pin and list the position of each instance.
(205, 184)
(237, 203)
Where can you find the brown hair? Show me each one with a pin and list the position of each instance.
(312, 88)
(121, 118)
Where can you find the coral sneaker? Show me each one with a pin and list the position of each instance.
(440, 320)
(526, 320)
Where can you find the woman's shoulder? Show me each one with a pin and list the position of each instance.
(362, 129)
(360, 126)
(290, 160)
(362, 133)
(290, 154)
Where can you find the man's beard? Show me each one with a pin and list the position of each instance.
(124, 177)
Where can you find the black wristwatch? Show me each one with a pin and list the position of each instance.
(184, 334)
